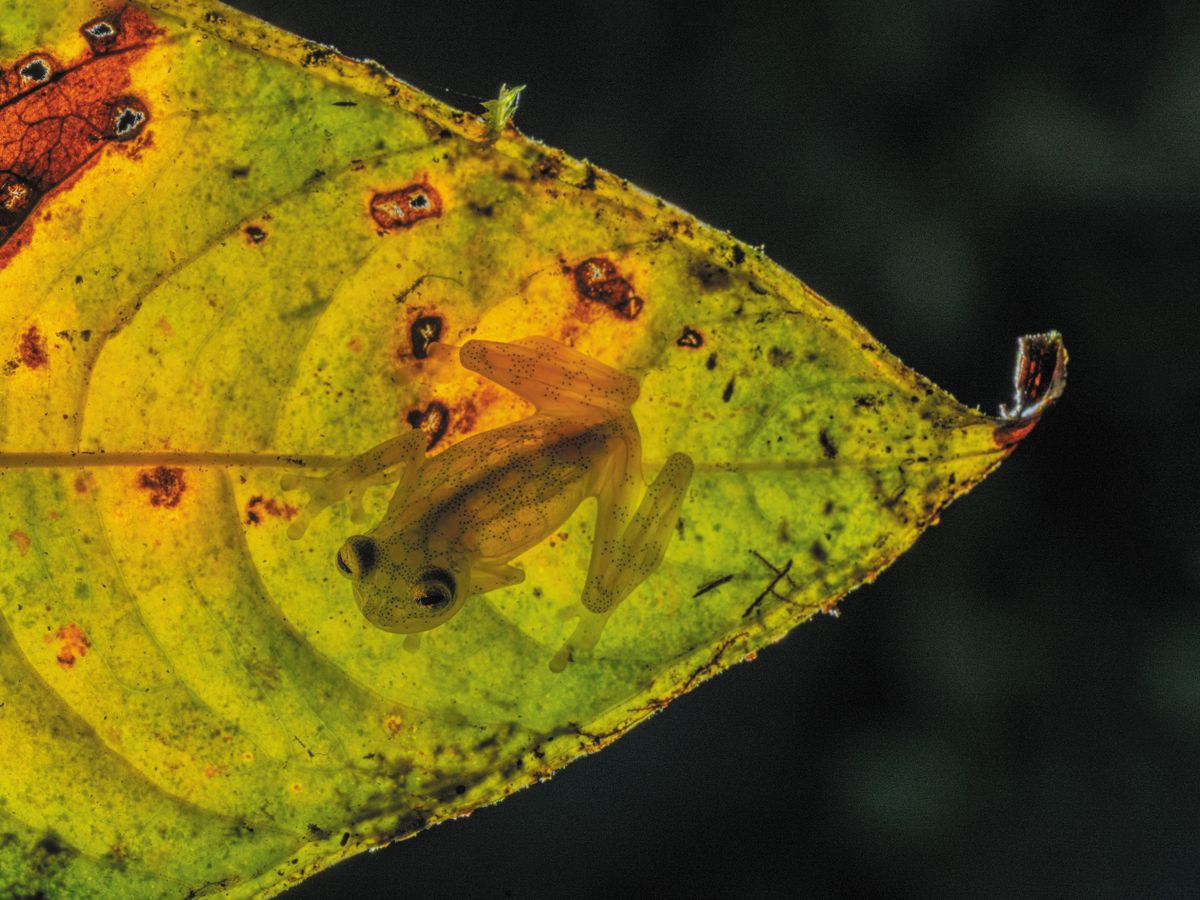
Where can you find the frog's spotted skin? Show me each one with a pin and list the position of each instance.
(457, 519)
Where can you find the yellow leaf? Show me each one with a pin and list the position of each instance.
(224, 256)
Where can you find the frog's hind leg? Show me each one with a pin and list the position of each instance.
(557, 379)
(619, 565)
(396, 460)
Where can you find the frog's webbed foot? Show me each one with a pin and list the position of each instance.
(617, 570)
(396, 460)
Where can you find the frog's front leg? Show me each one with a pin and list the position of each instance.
(395, 460)
(622, 558)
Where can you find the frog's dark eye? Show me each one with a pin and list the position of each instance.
(435, 590)
(358, 557)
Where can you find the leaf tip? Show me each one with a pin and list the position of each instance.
(1038, 381)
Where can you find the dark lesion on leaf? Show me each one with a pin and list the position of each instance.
(32, 349)
(254, 234)
(780, 358)
(164, 484)
(101, 33)
(690, 338)
(424, 331)
(434, 420)
(711, 276)
(598, 280)
(828, 447)
(126, 118)
(35, 70)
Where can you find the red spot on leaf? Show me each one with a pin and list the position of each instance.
(21, 539)
(405, 207)
(32, 349)
(165, 484)
(598, 280)
(73, 644)
(258, 506)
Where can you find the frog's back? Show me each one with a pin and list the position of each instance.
(498, 493)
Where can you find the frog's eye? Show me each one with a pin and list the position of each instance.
(435, 590)
(358, 557)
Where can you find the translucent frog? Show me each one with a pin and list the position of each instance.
(456, 520)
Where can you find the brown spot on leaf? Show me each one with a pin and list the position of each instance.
(393, 724)
(778, 357)
(405, 207)
(32, 349)
(690, 338)
(433, 420)
(21, 539)
(711, 276)
(73, 644)
(254, 234)
(165, 485)
(598, 280)
(257, 507)
(828, 447)
(424, 331)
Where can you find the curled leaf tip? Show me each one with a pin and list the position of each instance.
(1038, 381)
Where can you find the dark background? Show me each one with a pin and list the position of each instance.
(1014, 708)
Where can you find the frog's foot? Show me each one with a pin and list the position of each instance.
(583, 638)
(639, 551)
(392, 461)
(555, 378)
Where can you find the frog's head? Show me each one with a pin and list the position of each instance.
(403, 588)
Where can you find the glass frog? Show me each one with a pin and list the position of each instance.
(456, 520)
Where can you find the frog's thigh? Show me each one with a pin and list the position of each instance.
(552, 376)
(620, 565)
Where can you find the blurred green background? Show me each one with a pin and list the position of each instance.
(1013, 709)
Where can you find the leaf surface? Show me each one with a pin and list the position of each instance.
(223, 253)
